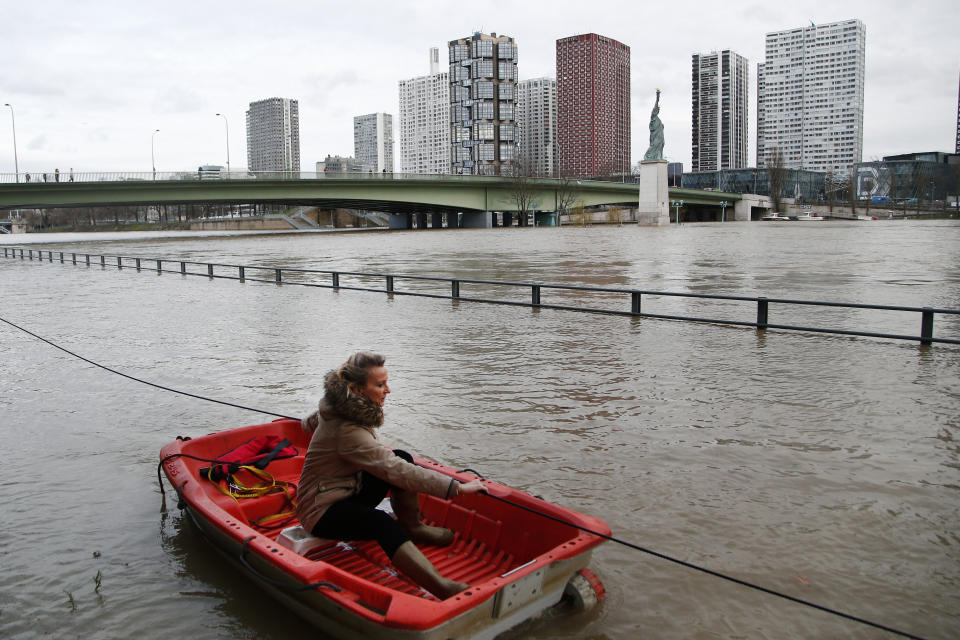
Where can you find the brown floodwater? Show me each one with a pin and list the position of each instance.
(824, 467)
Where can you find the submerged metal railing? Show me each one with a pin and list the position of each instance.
(531, 293)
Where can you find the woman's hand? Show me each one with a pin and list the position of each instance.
(474, 486)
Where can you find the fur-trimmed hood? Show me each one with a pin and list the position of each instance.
(339, 400)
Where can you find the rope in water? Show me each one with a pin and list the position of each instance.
(146, 382)
(630, 545)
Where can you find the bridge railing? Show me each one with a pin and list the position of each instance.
(50, 177)
(614, 301)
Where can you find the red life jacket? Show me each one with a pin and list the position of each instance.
(257, 452)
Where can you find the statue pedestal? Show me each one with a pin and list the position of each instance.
(654, 202)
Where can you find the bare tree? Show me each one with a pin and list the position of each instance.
(522, 191)
(777, 173)
(566, 195)
(615, 215)
(918, 182)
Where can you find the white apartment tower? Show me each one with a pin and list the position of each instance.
(483, 98)
(720, 124)
(273, 135)
(425, 121)
(537, 121)
(810, 96)
(373, 141)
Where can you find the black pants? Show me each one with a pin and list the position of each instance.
(357, 517)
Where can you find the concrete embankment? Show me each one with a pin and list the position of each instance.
(241, 224)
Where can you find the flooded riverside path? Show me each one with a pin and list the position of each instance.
(823, 467)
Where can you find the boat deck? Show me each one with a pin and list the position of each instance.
(463, 561)
(472, 558)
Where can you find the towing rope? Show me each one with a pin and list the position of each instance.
(146, 382)
(520, 506)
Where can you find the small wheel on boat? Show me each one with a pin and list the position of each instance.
(584, 590)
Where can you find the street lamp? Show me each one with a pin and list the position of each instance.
(13, 123)
(677, 204)
(227, 125)
(153, 162)
(723, 209)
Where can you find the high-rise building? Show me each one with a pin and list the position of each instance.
(537, 121)
(373, 141)
(483, 98)
(593, 106)
(720, 124)
(810, 97)
(273, 135)
(425, 121)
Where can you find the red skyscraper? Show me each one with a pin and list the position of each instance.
(593, 106)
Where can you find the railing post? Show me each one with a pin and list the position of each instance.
(74, 258)
(88, 259)
(279, 275)
(61, 257)
(242, 277)
(335, 279)
(454, 288)
(119, 262)
(209, 270)
(103, 261)
(183, 268)
(159, 266)
(49, 256)
(138, 264)
(31, 253)
(762, 311)
(535, 295)
(389, 284)
(926, 326)
(635, 302)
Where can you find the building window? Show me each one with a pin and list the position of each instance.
(483, 89)
(483, 111)
(484, 151)
(458, 52)
(483, 48)
(482, 69)
(483, 131)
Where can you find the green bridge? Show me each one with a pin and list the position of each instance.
(391, 193)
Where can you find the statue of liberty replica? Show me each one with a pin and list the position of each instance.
(655, 152)
(653, 203)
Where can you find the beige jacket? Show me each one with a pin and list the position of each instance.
(344, 443)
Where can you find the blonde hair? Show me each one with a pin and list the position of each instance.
(357, 367)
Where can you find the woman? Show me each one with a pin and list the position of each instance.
(347, 472)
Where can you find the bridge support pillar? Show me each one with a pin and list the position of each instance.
(421, 221)
(507, 219)
(476, 220)
(399, 220)
(653, 205)
(436, 220)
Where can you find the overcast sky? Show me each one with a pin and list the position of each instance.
(90, 81)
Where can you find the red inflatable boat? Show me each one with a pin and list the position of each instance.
(514, 550)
